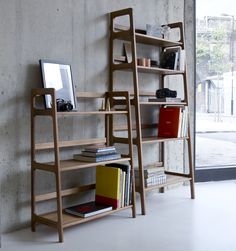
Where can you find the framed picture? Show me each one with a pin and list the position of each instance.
(58, 75)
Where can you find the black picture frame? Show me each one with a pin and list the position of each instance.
(58, 75)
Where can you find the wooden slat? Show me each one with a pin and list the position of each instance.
(71, 143)
(155, 70)
(70, 220)
(52, 222)
(90, 113)
(44, 166)
(158, 70)
(122, 66)
(120, 140)
(145, 39)
(159, 139)
(38, 112)
(69, 165)
(163, 103)
(67, 192)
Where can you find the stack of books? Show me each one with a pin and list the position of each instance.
(152, 176)
(97, 154)
(113, 186)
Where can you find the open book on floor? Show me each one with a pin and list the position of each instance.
(88, 209)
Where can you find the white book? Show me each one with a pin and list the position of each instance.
(182, 60)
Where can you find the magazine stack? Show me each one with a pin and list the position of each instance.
(97, 154)
(152, 176)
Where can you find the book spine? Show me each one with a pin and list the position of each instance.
(128, 177)
(99, 150)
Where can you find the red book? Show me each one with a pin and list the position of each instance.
(169, 122)
(88, 209)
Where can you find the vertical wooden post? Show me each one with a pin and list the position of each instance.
(33, 223)
(57, 169)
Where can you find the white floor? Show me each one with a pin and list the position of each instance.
(174, 223)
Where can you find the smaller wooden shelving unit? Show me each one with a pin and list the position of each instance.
(58, 219)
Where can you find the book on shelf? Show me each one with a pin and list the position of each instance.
(127, 182)
(169, 58)
(99, 148)
(167, 99)
(120, 59)
(153, 180)
(169, 122)
(149, 172)
(122, 189)
(173, 58)
(128, 52)
(108, 186)
(88, 209)
(99, 158)
(182, 56)
(184, 122)
(97, 154)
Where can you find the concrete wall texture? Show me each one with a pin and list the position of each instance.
(74, 31)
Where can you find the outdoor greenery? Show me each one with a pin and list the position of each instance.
(213, 51)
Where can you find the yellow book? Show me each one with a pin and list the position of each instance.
(108, 186)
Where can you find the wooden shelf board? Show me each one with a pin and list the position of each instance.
(154, 139)
(69, 165)
(70, 220)
(71, 143)
(155, 70)
(170, 180)
(162, 103)
(90, 113)
(158, 70)
(145, 39)
(66, 192)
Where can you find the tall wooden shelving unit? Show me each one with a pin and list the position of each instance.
(128, 34)
(58, 219)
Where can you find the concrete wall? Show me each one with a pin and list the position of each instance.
(74, 31)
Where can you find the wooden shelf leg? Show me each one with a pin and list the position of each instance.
(133, 197)
(191, 171)
(59, 208)
(141, 181)
(33, 222)
(192, 189)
